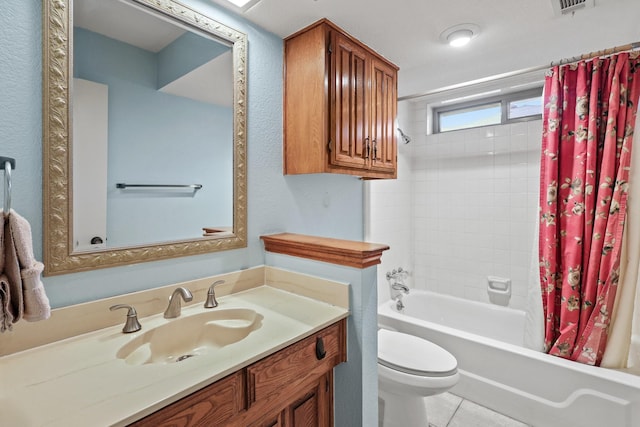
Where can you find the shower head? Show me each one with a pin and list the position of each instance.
(405, 138)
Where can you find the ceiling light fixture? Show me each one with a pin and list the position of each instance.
(459, 35)
(459, 38)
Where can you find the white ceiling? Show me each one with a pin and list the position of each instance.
(515, 34)
(211, 83)
(122, 22)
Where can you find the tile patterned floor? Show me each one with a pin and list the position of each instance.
(449, 410)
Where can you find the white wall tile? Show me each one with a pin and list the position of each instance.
(520, 128)
(464, 208)
(519, 142)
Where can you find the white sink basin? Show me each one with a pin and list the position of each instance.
(185, 337)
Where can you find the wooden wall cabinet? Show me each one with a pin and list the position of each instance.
(340, 105)
(293, 387)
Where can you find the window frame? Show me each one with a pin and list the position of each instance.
(504, 101)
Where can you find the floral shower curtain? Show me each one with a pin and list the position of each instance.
(589, 114)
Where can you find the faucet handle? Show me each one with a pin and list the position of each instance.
(211, 301)
(132, 324)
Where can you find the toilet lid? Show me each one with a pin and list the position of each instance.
(414, 355)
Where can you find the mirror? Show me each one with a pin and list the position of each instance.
(144, 126)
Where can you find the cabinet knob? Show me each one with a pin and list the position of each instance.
(320, 351)
(366, 148)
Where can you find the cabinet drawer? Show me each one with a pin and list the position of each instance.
(297, 364)
(212, 406)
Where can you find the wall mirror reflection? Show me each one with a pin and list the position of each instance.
(153, 102)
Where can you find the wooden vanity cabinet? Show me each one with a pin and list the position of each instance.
(214, 405)
(292, 387)
(340, 105)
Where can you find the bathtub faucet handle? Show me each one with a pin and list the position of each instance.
(400, 287)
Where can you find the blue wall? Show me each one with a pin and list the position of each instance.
(158, 138)
(184, 54)
(328, 205)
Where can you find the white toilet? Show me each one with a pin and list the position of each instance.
(409, 369)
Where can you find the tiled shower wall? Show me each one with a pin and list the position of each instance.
(473, 203)
(388, 214)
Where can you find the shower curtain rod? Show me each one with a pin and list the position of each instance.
(604, 52)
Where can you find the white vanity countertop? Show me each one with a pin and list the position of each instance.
(80, 381)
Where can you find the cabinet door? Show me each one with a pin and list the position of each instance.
(349, 119)
(305, 412)
(314, 408)
(384, 106)
(277, 421)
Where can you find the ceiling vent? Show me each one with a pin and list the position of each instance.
(563, 7)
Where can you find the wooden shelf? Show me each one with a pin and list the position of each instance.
(336, 251)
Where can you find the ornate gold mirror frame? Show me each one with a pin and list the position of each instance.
(56, 148)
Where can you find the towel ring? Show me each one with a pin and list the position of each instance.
(7, 164)
(7, 187)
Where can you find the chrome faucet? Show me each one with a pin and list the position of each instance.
(396, 280)
(132, 324)
(173, 309)
(211, 295)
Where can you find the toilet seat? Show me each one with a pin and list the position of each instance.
(413, 355)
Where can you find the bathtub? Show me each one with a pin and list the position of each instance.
(496, 371)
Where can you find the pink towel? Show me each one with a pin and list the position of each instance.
(27, 297)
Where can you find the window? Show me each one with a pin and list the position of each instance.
(520, 106)
(480, 115)
(524, 108)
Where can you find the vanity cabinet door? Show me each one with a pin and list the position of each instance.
(214, 405)
(305, 412)
(274, 421)
(315, 406)
(309, 406)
